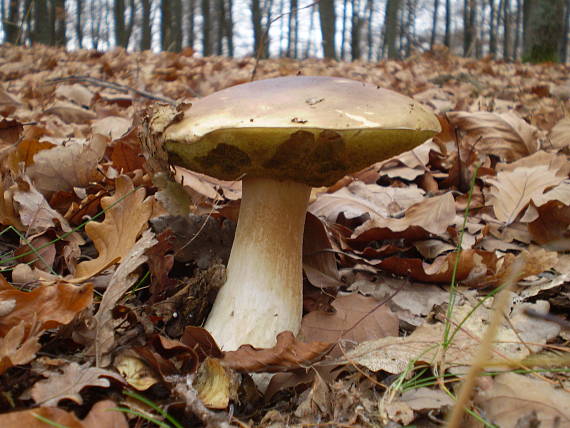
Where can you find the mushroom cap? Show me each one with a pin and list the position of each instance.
(312, 130)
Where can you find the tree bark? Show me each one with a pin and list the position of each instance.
(292, 30)
(207, 49)
(327, 18)
(447, 37)
(60, 38)
(492, 29)
(41, 33)
(11, 27)
(564, 42)
(355, 31)
(146, 30)
(434, 24)
(229, 27)
(177, 29)
(391, 28)
(543, 24)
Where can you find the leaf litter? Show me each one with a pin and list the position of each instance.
(99, 276)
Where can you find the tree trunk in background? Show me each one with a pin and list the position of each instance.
(355, 31)
(447, 37)
(257, 28)
(292, 30)
(343, 31)
(434, 24)
(11, 27)
(564, 42)
(60, 21)
(146, 30)
(177, 30)
(492, 29)
(518, 30)
(119, 18)
(391, 28)
(78, 22)
(229, 27)
(543, 23)
(409, 28)
(206, 28)
(166, 30)
(327, 18)
(469, 27)
(41, 33)
(369, 29)
(507, 30)
(191, 23)
(220, 26)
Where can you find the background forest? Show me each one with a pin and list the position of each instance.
(533, 30)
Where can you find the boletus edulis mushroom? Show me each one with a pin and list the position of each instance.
(281, 137)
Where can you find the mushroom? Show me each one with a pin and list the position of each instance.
(283, 136)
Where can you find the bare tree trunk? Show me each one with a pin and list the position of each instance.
(60, 21)
(191, 23)
(507, 30)
(518, 30)
(229, 27)
(447, 37)
(543, 23)
(355, 31)
(12, 26)
(391, 28)
(327, 17)
(177, 29)
(343, 32)
(492, 28)
(434, 24)
(564, 42)
(292, 31)
(41, 33)
(409, 28)
(78, 22)
(369, 35)
(119, 18)
(311, 28)
(146, 30)
(166, 39)
(206, 28)
(469, 26)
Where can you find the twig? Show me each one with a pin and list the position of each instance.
(194, 405)
(111, 85)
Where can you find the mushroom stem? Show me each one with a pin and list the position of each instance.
(262, 295)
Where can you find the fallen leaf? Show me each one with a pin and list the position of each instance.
(287, 354)
(126, 215)
(512, 191)
(51, 305)
(69, 383)
(560, 134)
(505, 135)
(20, 344)
(356, 319)
(70, 113)
(514, 400)
(75, 93)
(29, 418)
(112, 127)
(215, 384)
(73, 164)
(105, 414)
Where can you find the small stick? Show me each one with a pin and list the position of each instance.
(116, 86)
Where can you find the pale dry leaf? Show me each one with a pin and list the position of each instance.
(29, 418)
(123, 279)
(356, 319)
(105, 414)
(512, 191)
(556, 162)
(505, 135)
(70, 112)
(35, 212)
(69, 383)
(358, 199)
(112, 127)
(18, 346)
(126, 215)
(511, 399)
(421, 399)
(75, 93)
(433, 215)
(559, 193)
(560, 134)
(71, 165)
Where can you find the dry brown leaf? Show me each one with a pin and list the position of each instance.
(51, 305)
(355, 320)
(552, 227)
(287, 354)
(505, 135)
(113, 127)
(104, 414)
(123, 279)
(73, 164)
(69, 383)
(34, 210)
(512, 191)
(75, 93)
(433, 215)
(514, 400)
(70, 113)
(560, 134)
(215, 384)
(28, 418)
(126, 215)
(358, 198)
(20, 344)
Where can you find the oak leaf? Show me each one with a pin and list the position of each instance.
(69, 383)
(126, 215)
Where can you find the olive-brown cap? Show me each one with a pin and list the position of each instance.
(312, 130)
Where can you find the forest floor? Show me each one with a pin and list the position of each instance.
(102, 291)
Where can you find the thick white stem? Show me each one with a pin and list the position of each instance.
(263, 292)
